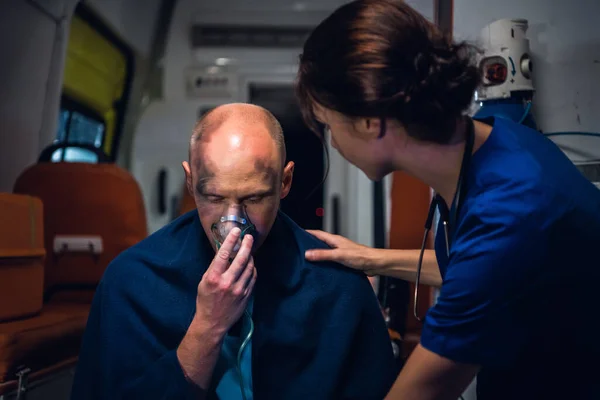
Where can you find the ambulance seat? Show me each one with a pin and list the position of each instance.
(40, 343)
(92, 213)
(22, 255)
(33, 337)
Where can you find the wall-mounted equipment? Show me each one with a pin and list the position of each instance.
(506, 68)
(506, 65)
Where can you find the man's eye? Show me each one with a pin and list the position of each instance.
(214, 199)
(254, 200)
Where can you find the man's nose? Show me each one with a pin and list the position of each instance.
(235, 208)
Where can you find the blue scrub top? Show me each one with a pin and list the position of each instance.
(518, 295)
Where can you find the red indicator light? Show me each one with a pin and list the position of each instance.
(320, 212)
(496, 73)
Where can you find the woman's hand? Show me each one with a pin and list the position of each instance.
(343, 251)
(396, 263)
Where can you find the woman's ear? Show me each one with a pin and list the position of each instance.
(370, 128)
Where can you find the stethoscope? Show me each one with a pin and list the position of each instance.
(448, 217)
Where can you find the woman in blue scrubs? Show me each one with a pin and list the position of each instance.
(517, 245)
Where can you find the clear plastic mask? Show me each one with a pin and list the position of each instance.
(234, 216)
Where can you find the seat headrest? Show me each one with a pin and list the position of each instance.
(100, 204)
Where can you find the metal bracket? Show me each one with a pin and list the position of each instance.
(23, 376)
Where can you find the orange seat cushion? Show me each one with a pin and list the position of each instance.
(21, 256)
(39, 342)
(21, 287)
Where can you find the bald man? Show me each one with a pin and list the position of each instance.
(221, 303)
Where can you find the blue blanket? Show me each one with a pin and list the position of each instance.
(319, 333)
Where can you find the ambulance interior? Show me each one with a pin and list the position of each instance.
(97, 102)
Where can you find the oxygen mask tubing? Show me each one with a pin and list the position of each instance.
(236, 216)
(232, 216)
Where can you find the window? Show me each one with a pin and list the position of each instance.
(78, 126)
(97, 78)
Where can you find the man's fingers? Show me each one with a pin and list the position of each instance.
(326, 237)
(221, 261)
(322, 255)
(240, 261)
(251, 283)
(247, 275)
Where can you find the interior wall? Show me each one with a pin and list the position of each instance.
(162, 135)
(133, 20)
(33, 39)
(565, 45)
(161, 138)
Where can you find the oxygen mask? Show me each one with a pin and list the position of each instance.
(233, 216)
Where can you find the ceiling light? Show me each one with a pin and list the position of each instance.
(223, 61)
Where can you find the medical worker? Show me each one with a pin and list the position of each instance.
(517, 245)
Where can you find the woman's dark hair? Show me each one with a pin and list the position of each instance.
(382, 59)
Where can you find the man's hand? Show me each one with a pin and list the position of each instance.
(223, 294)
(224, 290)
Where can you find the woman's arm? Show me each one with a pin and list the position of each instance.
(400, 264)
(429, 376)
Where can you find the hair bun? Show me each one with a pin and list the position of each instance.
(381, 58)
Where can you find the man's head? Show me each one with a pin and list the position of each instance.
(237, 164)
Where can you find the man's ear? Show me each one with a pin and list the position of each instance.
(286, 181)
(188, 177)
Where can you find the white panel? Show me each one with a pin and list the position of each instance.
(54, 8)
(146, 172)
(133, 20)
(337, 186)
(161, 141)
(424, 7)
(32, 48)
(363, 208)
(387, 195)
(56, 76)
